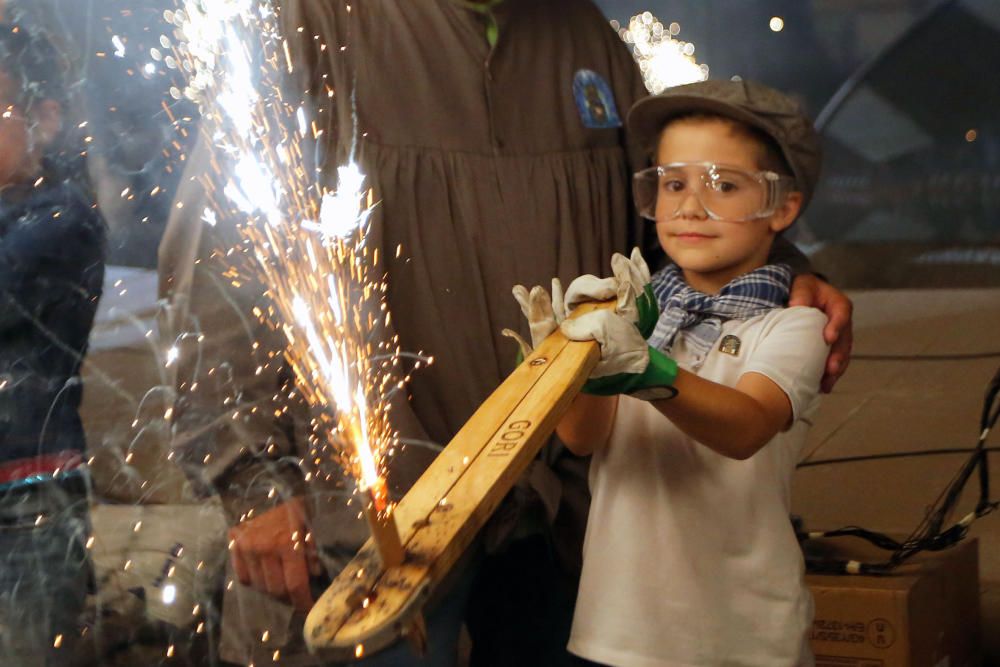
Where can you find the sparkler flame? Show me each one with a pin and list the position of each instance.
(307, 243)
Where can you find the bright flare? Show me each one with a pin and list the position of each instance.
(304, 244)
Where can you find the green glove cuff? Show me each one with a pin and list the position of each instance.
(653, 383)
(649, 311)
(662, 370)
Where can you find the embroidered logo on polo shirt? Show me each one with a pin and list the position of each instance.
(730, 345)
(594, 100)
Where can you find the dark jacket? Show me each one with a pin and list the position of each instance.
(52, 247)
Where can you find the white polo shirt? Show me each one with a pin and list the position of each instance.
(690, 557)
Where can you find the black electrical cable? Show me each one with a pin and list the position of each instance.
(930, 534)
(987, 422)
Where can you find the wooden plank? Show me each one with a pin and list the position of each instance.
(369, 607)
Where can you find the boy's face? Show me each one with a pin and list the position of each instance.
(713, 252)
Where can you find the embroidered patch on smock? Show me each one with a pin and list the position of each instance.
(594, 100)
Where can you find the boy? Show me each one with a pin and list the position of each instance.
(690, 558)
(51, 269)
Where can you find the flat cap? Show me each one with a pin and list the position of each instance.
(770, 111)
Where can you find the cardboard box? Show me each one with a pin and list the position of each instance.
(925, 615)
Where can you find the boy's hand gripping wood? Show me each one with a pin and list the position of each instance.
(369, 606)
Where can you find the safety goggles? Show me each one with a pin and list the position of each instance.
(725, 193)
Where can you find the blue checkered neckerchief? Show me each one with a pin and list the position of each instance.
(701, 315)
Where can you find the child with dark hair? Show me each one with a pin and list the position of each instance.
(698, 410)
(52, 246)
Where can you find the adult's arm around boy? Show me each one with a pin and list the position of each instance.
(810, 290)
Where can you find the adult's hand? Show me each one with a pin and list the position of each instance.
(274, 554)
(809, 290)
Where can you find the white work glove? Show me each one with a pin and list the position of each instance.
(628, 365)
(629, 285)
(544, 313)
